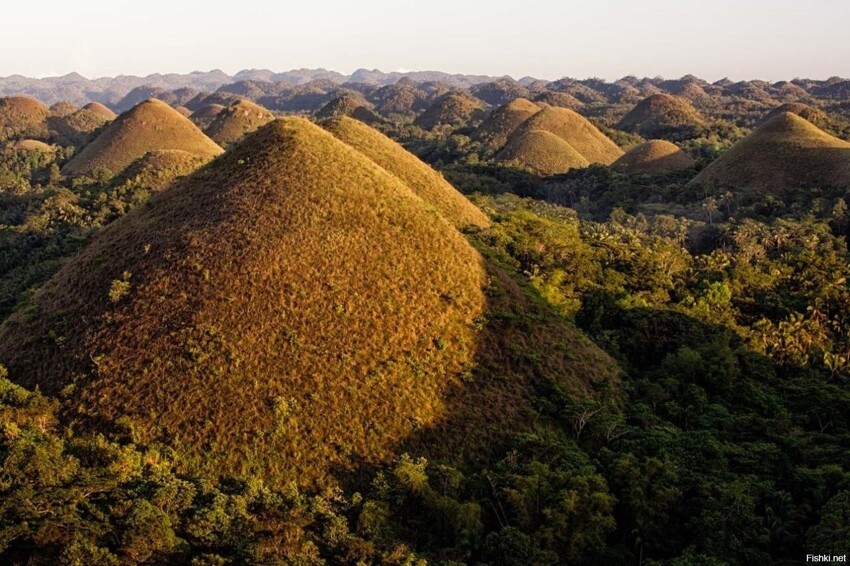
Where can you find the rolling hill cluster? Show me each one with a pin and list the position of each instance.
(303, 318)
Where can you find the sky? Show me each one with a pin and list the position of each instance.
(548, 39)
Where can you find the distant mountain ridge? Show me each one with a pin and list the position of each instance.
(112, 91)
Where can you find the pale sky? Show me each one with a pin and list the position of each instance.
(741, 39)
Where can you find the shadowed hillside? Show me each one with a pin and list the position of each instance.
(661, 116)
(786, 152)
(452, 109)
(499, 125)
(157, 169)
(654, 157)
(236, 120)
(150, 126)
(349, 105)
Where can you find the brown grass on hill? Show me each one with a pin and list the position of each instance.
(240, 118)
(100, 110)
(204, 116)
(452, 109)
(577, 131)
(149, 126)
(78, 128)
(63, 108)
(349, 105)
(785, 153)
(501, 123)
(33, 145)
(183, 111)
(424, 181)
(22, 116)
(814, 115)
(661, 115)
(157, 169)
(289, 310)
(543, 152)
(654, 157)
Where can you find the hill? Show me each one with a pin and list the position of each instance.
(653, 158)
(349, 105)
(451, 109)
(79, 127)
(310, 314)
(576, 130)
(785, 153)
(238, 119)
(150, 126)
(22, 116)
(662, 116)
(499, 125)
(100, 110)
(33, 145)
(562, 99)
(157, 169)
(204, 116)
(63, 108)
(426, 183)
(814, 115)
(183, 111)
(543, 152)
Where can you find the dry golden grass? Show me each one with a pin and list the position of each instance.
(157, 169)
(33, 145)
(100, 110)
(653, 158)
(786, 152)
(452, 109)
(428, 184)
(79, 127)
(240, 118)
(183, 111)
(501, 123)
(542, 152)
(149, 126)
(22, 116)
(660, 115)
(576, 130)
(289, 310)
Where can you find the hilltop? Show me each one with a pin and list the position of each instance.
(662, 116)
(22, 116)
(501, 123)
(238, 119)
(204, 116)
(452, 109)
(654, 157)
(576, 130)
(349, 105)
(308, 265)
(542, 152)
(426, 183)
(78, 127)
(784, 153)
(150, 126)
(100, 110)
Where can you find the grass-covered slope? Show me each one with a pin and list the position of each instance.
(22, 116)
(149, 126)
(156, 169)
(785, 153)
(240, 118)
(576, 130)
(290, 310)
(424, 181)
(543, 152)
(499, 125)
(654, 157)
(662, 115)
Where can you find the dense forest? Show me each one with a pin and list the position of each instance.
(727, 439)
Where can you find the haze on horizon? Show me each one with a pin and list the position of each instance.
(743, 39)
